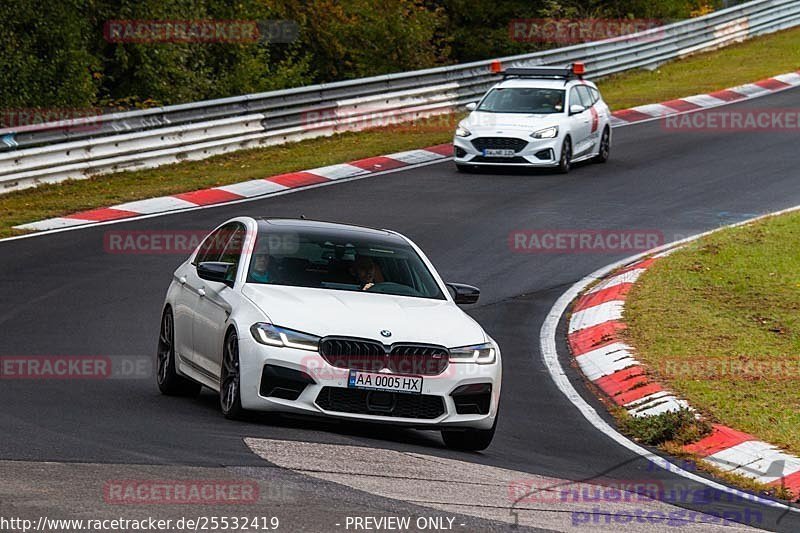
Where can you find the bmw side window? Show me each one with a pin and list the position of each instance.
(212, 247)
(233, 249)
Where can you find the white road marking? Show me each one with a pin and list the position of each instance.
(792, 78)
(750, 90)
(654, 110)
(337, 172)
(606, 360)
(626, 277)
(155, 205)
(596, 315)
(251, 188)
(52, 223)
(415, 156)
(756, 459)
(704, 100)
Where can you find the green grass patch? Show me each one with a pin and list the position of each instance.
(749, 61)
(719, 322)
(678, 427)
(733, 65)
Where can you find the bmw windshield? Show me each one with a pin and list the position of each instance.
(523, 100)
(326, 258)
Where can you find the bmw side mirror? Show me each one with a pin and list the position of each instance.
(464, 294)
(576, 109)
(217, 271)
(472, 106)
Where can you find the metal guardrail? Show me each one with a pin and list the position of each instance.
(141, 139)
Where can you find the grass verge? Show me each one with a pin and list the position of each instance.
(718, 322)
(679, 427)
(741, 63)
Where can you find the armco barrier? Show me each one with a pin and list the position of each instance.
(48, 153)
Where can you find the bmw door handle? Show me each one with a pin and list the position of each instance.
(201, 292)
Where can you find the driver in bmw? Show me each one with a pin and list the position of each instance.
(365, 271)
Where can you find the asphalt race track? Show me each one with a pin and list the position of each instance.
(63, 294)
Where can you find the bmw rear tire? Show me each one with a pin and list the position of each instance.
(169, 382)
(230, 400)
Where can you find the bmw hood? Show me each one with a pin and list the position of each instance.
(482, 123)
(326, 312)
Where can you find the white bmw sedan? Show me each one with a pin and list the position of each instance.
(309, 317)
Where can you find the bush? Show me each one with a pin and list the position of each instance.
(680, 427)
(45, 58)
(54, 54)
(360, 38)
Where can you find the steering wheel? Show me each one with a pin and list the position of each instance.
(389, 287)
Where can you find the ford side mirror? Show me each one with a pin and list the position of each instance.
(472, 106)
(576, 109)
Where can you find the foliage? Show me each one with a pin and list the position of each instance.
(680, 427)
(54, 54)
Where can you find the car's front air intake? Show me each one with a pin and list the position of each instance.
(379, 403)
(372, 356)
(499, 143)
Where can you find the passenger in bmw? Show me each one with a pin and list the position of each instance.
(260, 271)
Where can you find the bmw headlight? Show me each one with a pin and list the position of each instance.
(483, 354)
(273, 335)
(547, 133)
(461, 131)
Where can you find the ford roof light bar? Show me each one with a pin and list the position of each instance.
(574, 71)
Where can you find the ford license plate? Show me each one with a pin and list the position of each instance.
(497, 152)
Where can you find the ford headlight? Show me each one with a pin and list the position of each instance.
(483, 354)
(547, 133)
(461, 131)
(273, 335)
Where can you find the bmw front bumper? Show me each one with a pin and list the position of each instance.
(325, 391)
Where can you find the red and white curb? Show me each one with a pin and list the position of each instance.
(697, 102)
(247, 189)
(371, 165)
(595, 340)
